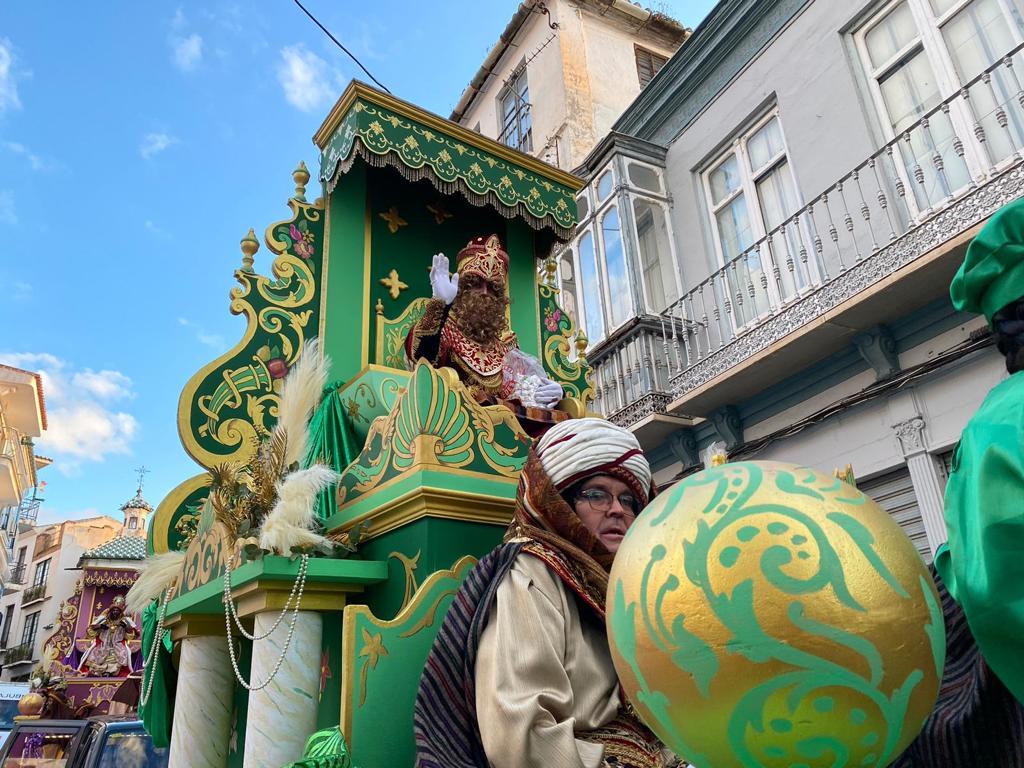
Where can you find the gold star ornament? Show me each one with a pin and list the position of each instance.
(394, 220)
(394, 285)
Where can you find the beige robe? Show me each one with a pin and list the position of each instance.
(543, 674)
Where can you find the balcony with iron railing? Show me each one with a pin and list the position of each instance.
(33, 593)
(19, 653)
(883, 240)
(17, 574)
(630, 374)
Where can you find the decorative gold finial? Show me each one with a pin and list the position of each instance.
(846, 475)
(550, 268)
(249, 246)
(720, 458)
(380, 307)
(581, 345)
(300, 176)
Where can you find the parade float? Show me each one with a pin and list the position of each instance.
(299, 640)
(427, 473)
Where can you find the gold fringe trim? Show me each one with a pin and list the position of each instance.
(391, 160)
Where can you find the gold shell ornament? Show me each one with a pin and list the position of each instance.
(766, 615)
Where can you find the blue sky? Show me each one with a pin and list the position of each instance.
(138, 144)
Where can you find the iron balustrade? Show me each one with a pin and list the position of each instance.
(18, 573)
(35, 592)
(18, 653)
(938, 170)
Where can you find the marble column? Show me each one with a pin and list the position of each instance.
(202, 706)
(282, 716)
(926, 478)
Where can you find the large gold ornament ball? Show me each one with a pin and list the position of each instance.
(763, 614)
(31, 704)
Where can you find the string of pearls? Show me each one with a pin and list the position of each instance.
(300, 583)
(148, 666)
(230, 602)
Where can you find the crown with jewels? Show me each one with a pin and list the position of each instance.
(485, 257)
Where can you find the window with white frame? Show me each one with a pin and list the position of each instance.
(516, 121)
(918, 53)
(603, 285)
(751, 191)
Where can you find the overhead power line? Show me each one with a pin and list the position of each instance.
(346, 50)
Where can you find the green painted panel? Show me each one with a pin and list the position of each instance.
(388, 660)
(416, 550)
(347, 321)
(328, 712)
(240, 708)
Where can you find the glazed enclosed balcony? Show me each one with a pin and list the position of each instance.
(883, 240)
(16, 473)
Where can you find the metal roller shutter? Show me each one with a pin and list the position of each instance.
(894, 492)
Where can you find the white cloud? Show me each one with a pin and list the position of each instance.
(155, 143)
(186, 49)
(204, 337)
(307, 81)
(36, 162)
(153, 229)
(8, 79)
(188, 52)
(86, 420)
(7, 214)
(106, 385)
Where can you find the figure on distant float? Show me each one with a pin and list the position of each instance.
(465, 327)
(111, 632)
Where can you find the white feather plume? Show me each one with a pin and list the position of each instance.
(292, 520)
(300, 395)
(158, 573)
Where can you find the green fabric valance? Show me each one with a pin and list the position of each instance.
(386, 131)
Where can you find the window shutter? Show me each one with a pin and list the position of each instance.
(894, 492)
(648, 64)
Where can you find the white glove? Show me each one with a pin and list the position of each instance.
(548, 393)
(444, 287)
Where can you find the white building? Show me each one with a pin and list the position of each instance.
(22, 418)
(767, 239)
(562, 72)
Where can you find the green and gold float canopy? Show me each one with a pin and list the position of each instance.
(228, 405)
(384, 130)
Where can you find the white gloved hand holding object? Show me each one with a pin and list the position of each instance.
(444, 287)
(548, 393)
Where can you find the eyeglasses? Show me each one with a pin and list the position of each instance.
(602, 500)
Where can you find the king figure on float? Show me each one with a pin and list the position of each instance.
(465, 327)
(111, 632)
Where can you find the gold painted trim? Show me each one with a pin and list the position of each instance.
(379, 329)
(357, 90)
(348, 634)
(161, 517)
(273, 595)
(186, 625)
(441, 503)
(324, 261)
(367, 311)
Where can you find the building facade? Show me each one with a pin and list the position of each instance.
(769, 232)
(563, 71)
(22, 419)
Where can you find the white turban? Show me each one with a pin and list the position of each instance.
(575, 449)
